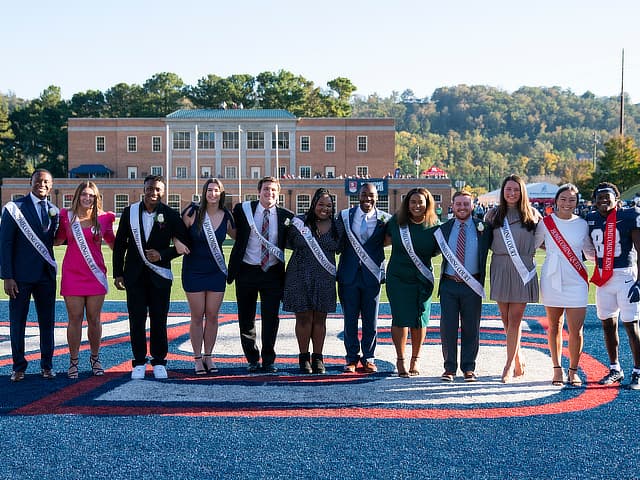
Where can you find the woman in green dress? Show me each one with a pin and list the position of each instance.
(409, 280)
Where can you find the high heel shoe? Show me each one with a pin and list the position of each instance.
(317, 363)
(572, 377)
(413, 370)
(73, 368)
(199, 366)
(557, 382)
(96, 366)
(402, 369)
(209, 366)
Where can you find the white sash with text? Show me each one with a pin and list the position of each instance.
(134, 221)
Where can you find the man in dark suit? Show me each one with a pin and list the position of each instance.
(142, 257)
(360, 273)
(464, 243)
(28, 268)
(256, 264)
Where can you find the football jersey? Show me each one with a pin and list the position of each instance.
(627, 219)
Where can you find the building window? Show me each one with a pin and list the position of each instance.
(330, 143)
(230, 172)
(173, 200)
(437, 197)
(230, 140)
(330, 172)
(132, 144)
(255, 140)
(255, 173)
(120, 201)
(182, 140)
(305, 143)
(100, 144)
(303, 202)
(156, 170)
(362, 143)
(206, 140)
(362, 171)
(156, 144)
(282, 171)
(181, 172)
(283, 140)
(67, 198)
(205, 172)
(132, 173)
(305, 172)
(250, 197)
(281, 199)
(195, 198)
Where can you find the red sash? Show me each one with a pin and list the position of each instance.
(609, 242)
(565, 248)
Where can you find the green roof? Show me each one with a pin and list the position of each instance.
(231, 114)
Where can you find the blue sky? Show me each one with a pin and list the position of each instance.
(380, 45)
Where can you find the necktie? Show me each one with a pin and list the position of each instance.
(44, 217)
(462, 235)
(364, 230)
(264, 253)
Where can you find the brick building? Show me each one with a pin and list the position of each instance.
(239, 147)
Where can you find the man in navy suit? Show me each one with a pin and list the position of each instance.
(142, 256)
(256, 264)
(360, 273)
(28, 268)
(461, 286)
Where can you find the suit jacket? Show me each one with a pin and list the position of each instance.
(484, 242)
(19, 260)
(243, 231)
(127, 262)
(349, 260)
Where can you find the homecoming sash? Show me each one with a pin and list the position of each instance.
(134, 222)
(507, 236)
(565, 248)
(314, 246)
(405, 236)
(28, 232)
(457, 266)
(80, 239)
(378, 271)
(609, 242)
(273, 249)
(212, 241)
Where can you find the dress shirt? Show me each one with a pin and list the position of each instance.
(253, 253)
(470, 246)
(371, 217)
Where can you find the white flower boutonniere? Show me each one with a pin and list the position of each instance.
(480, 227)
(287, 222)
(384, 217)
(53, 211)
(160, 218)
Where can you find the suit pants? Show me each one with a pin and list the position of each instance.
(44, 298)
(359, 300)
(250, 282)
(144, 297)
(459, 305)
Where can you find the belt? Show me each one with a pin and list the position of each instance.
(456, 278)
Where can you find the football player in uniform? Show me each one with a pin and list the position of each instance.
(615, 233)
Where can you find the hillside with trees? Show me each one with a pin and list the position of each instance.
(477, 134)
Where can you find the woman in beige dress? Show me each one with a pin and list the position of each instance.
(514, 282)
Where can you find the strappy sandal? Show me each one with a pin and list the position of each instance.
(413, 371)
(96, 366)
(555, 382)
(208, 363)
(572, 377)
(199, 367)
(73, 368)
(402, 370)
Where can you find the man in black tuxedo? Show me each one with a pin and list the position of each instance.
(461, 289)
(28, 268)
(142, 257)
(256, 264)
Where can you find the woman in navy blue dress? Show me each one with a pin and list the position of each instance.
(204, 269)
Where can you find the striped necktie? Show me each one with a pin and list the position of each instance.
(264, 253)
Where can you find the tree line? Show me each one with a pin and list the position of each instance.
(478, 134)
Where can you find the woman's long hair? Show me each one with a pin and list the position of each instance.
(527, 216)
(202, 210)
(430, 217)
(311, 217)
(96, 208)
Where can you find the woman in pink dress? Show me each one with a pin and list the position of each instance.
(84, 282)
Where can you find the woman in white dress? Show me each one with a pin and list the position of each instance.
(564, 283)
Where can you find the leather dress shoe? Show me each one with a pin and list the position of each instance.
(271, 368)
(369, 367)
(470, 376)
(448, 376)
(17, 376)
(48, 374)
(253, 367)
(351, 367)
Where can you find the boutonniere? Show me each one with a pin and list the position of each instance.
(287, 222)
(53, 211)
(160, 218)
(384, 218)
(480, 227)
